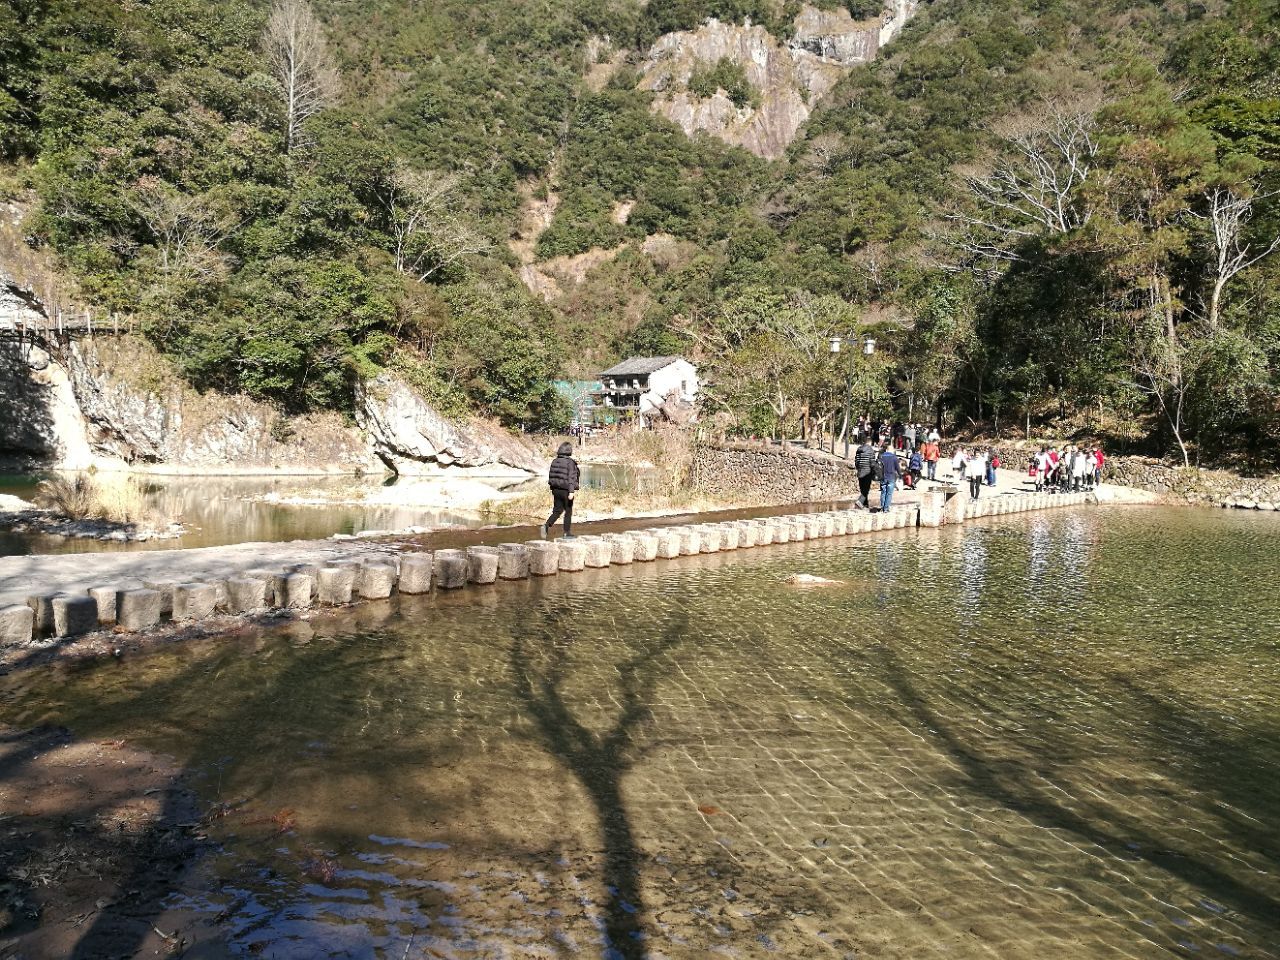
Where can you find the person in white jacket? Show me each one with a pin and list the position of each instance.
(975, 468)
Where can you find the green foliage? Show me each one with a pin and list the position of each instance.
(152, 133)
(726, 75)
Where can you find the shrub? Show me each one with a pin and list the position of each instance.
(118, 498)
(728, 76)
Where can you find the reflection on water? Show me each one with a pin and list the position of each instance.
(1042, 737)
(222, 510)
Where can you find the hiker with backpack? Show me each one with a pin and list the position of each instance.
(563, 479)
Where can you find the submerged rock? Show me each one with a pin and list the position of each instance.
(809, 580)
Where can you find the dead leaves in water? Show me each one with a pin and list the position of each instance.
(709, 810)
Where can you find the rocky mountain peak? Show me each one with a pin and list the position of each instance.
(787, 79)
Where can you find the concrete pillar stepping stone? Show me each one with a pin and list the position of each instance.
(295, 591)
(165, 589)
(415, 573)
(708, 539)
(335, 585)
(599, 551)
(268, 578)
(246, 595)
(622, 549)
(311, 570)
(450, 569)
(17, 624)
(544, 558)
(139, 609)
(746, 534)
(375, 581)
(573, 555)
(194, 601)
(107, 596)
(42, 608)
(690, 542)
(781, 529)
(668, 543)
(644, 546)
(728, 535)
(482, 564)
(73, 616)
(513, 561)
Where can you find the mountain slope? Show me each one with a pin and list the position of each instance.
(402, 232)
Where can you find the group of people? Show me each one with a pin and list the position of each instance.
(903, 437)
(976, 465)
(897, 456)
(892, 468)
(1069, 470)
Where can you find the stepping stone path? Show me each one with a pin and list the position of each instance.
(134, 606)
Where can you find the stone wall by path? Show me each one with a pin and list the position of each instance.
(757, 473)
(1194, 485)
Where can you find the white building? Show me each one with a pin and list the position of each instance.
(640, 385)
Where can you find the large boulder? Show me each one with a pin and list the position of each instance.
(414, 439)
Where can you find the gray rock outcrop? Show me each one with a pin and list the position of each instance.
(789, 78)
(414, 439)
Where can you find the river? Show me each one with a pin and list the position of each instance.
(1042, 736)
(224, 510)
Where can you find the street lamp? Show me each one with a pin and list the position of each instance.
(868, 348)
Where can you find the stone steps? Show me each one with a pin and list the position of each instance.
(138, 606)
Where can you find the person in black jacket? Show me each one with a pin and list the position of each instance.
(563, 479)
(864, 464)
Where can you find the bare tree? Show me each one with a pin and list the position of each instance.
(1229, 212)
(299, 56)
(187, 231)
(426, 229)
(1035, 188)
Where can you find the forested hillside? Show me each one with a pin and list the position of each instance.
(1046, 211)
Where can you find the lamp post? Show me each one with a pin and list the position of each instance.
(868, 348)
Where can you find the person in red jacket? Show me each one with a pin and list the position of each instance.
(1097, 470)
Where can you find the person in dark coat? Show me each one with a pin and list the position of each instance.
(864, 464)
(563, 479)
(890, 470)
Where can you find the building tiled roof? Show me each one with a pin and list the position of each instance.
(639, 366)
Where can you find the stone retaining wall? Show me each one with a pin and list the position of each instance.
(133, 606)
(1195, 486)
(755, 473)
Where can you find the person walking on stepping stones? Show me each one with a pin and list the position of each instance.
(563, 479)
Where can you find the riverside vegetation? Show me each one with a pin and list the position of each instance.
(1036, 206)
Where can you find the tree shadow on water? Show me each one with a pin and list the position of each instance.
(1093, 818)
(541, 665)
(264, 707)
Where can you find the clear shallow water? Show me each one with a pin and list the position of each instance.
(1040, 737)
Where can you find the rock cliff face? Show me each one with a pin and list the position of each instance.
(413, 439)
(789, 78)
(163, 423)
(109, 403)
